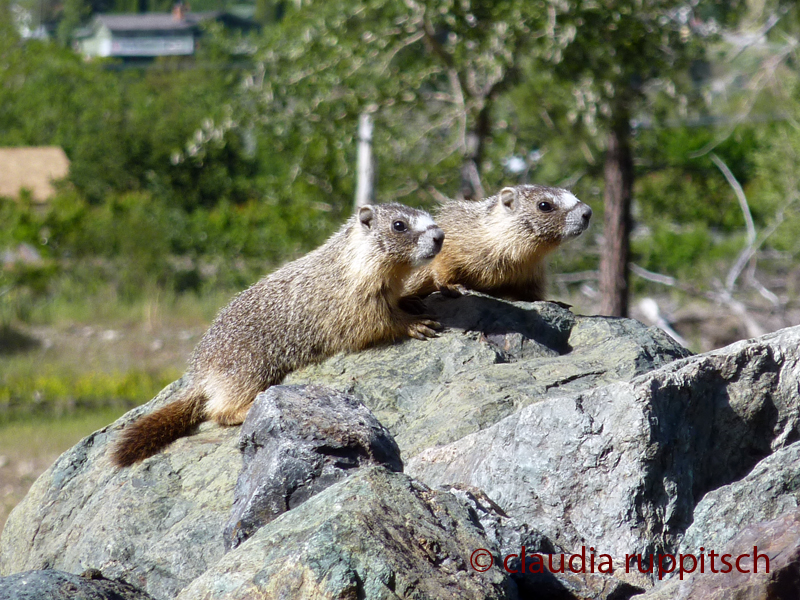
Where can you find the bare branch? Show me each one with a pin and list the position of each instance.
(740, 310)
(404, 190)
(654, 277)
(651, 311)
(737, 188)
(577, 277)
(475, 179)
(765, 292)
(721, 297)
(749, 251)
(437, 195)
(413, 38)
(458, 94)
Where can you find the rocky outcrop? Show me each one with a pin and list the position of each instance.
(496, 358)
(762, 562)
(157, 525)
(621, 467)
(377, 534)
(521, 425)
(771, 489)
(297, 441)
(49, 584)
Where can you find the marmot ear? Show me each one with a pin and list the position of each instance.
(508, 197)
(366, 215)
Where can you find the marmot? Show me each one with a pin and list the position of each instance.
(343, 296)
(498, 245)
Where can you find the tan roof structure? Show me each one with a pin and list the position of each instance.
(32, 168)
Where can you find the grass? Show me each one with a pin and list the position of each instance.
(153, 308)
(53, 392)
(75, 365)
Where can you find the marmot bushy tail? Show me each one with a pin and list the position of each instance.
(343, 296)
(498, 245)
(153, 432)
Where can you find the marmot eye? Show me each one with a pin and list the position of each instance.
(399, 226)
(545, 207)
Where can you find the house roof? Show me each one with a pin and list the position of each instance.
(33, 168)
(155, 21)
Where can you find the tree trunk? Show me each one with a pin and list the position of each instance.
(617, 225)
(365, 169)
(471, 186)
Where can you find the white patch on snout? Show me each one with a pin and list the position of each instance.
(567, 201)
(426, 248)
(421, 222)
(574, 224)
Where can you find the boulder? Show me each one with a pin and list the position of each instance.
(515, 540)
(157, 525)
(377, 534)
(495, 358)
(574, 431)
(58, 585)
(762, 562)
(620, 467)
(771, 489)
(296, 441)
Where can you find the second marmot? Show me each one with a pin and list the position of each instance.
(343, 296)
(498, 245)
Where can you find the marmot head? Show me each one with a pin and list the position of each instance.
(405, 235)
(550, 215)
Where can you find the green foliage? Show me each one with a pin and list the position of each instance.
(613, 55)
(123, 129)
(776, 187)
(427, 71)
(690, 252)
(75, 13)
(681, 187)
(138, 242)
(55, 394)
(204, 173)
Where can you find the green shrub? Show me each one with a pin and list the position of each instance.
(52, 393)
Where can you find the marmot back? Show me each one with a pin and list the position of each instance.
(343, 296)
(498, 245)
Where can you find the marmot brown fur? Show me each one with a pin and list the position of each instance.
(498, 245)
(343, 296)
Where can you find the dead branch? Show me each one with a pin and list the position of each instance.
(749, 250)
(651, 311)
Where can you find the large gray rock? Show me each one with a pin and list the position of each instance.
(296, 441)
(512, 537)
(159, 524)
(496, 358)
(377, 534)
(771, 489)
(58, 585)
(621, 467)
(763, 563)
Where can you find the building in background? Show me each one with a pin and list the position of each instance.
(32, 168)
(149, 35)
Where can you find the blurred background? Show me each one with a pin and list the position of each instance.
(156, 158)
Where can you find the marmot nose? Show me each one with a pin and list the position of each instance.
(586, 215)
(438, 239)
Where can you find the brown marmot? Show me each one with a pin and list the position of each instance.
(343, 296)
(498, 245)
